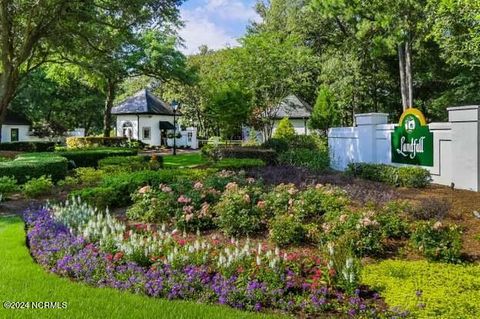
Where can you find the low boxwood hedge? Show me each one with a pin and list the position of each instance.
(91, 157)
(402, 176)
(129, 163)
(33, 165)
(28, 146)
(94, 141)
(268, 156)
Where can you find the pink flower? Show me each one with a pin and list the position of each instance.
(250, 180)
(188, 217)
(188, 209)
(184, 200)
(144, 189)
(198, 185)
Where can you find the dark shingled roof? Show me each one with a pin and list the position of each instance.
(143, 102)
(16, 119)
(294, 108)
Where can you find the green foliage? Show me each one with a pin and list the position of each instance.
(237, 211)
(28, 146)
(308, 158)
(220, 152)
(405, 176)
(411, 176)
(89, 176)
(393, 219)
(284, 129)
(277, 144)
(66, 104)
(324, 113)
(93, 141)
(8, 185)
(35, 165)
(37, 187)
(115, 189)
(346, 266)
(437, 242)
(279, 200)
(229, 109)
(130, 163)
(101, 196)
(91, 157)
(446, 290)
(314, 202)
(151, 206)
(286, 230)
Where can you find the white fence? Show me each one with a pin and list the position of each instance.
(456, 145)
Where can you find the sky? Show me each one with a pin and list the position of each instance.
(215, 23)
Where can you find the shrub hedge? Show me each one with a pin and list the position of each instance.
(34, 165)
(28, 146)
(269, 156)
(91, 157)
(404, 176)
(129, 163)
(303, 157)
(93, 141)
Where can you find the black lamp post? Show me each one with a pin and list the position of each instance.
(175, 106)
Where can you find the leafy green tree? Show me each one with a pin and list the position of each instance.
(457, 30)
(271, 67)
(284, 129)
(33, 33)
(69, 104)
(229, 108)
(108, 62)
(324, 114)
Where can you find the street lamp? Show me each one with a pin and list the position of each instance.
(175, 106)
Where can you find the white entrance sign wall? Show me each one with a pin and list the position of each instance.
(456, 157)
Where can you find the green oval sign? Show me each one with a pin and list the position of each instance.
(411, 140)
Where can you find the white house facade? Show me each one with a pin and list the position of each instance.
(16, 128)
(146, 118)
(298, 112)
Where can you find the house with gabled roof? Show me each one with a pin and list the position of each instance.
(146, 118)
(293, 107)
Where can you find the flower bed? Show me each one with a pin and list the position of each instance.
(83, 244)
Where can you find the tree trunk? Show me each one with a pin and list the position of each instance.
(401, 64)
(408, 74)
(107, 115)
(8, 87)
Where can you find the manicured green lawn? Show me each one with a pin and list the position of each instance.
(183, 160)
(23, 280)
(448, 291)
